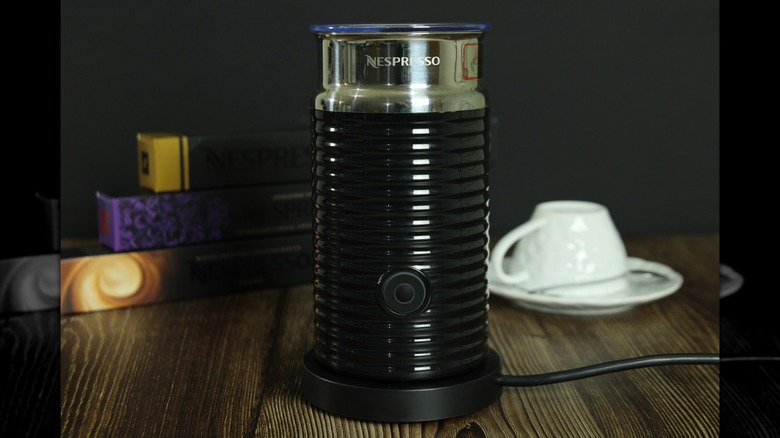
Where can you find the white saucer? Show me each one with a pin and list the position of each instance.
(638, 292)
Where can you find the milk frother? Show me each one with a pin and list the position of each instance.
(400, 190)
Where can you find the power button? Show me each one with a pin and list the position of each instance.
(404, 292)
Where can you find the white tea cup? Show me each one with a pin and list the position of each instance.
(565, 244)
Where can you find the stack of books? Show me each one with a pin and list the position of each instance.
(215, 214)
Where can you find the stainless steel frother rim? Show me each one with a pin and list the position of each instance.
(400, 68)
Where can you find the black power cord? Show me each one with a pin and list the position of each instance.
(623, 365)
(731, 281)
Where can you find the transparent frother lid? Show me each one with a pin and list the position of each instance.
(398, 27)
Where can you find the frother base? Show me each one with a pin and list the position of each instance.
(402, 402)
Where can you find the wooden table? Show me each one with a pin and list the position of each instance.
(230, 366)
(749, 326)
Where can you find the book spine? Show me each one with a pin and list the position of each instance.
(162, 161)
(169, 162)
(29, 283)
(160, 220)
(102, 281)
(108, 226)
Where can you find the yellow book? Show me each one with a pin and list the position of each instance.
(172, 162)
(163, 161)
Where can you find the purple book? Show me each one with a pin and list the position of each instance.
(159, 220)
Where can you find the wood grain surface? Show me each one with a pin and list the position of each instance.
(230, 366)
(30, 360)
(749, 326)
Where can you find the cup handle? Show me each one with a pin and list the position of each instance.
(503, 245)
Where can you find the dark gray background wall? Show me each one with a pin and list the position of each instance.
(610, 101)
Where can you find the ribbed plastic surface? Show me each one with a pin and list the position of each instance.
(400, 191)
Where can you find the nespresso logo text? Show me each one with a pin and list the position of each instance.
(402, 61)
(257, 159)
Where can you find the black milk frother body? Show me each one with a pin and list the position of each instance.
(400, 144)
